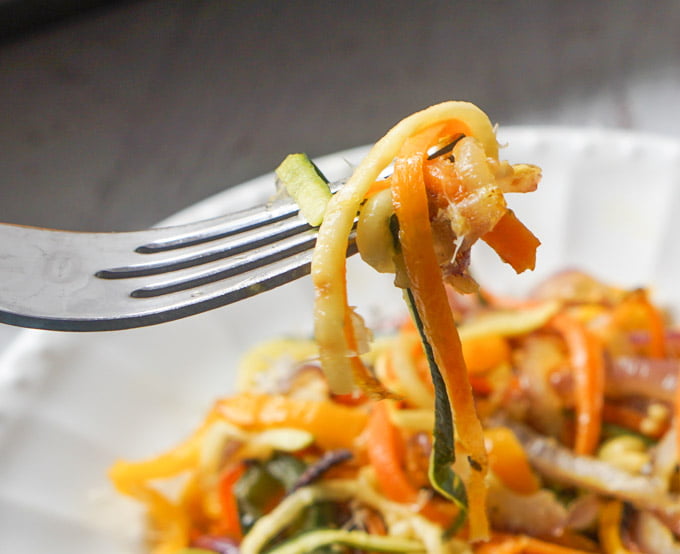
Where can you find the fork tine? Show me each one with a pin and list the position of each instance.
(222, 269)
(66, 296)
(179, 304)
(227, 235)
(220, 227)
(220, 247)
(224, 226)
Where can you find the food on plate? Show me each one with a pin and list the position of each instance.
(562, 402)
(575, 387)
(430, 211)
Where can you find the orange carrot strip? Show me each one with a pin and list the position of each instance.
(192, 502)
(481, 385)
(229, 523)
(377, 187)
(386, 452)
(375, 525)
(513, 242)
(417, 242)
(502, 543)
(587, 362)
(429, 136)
(421, 364)
(333, 425)
(509, 462)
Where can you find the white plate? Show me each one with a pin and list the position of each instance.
(72, 404)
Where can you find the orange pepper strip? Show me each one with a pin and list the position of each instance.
(636, 311)
(509, 462)
(386, 452)
(587, 361)
(129, 476)
(417, 243)
(502, 543)
(485, 353)
(657, 327)
(333, 425)
(513, 242)
(609, 528)
(192, 501)
(132, 478)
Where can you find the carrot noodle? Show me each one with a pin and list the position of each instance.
(431, 302)
(586, 357)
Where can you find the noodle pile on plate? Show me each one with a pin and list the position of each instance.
(480, 424)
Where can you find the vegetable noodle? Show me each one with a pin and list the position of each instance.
(477, 424)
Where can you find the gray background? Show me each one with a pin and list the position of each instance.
(118, 116)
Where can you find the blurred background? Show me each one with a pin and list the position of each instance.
(117, 114)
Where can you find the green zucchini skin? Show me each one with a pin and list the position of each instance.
(305, 183)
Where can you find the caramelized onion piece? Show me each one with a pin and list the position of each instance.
(561, 465)
(653, 378)
(316, 470)
(539, 359)
(575, 286)
(539, 514)
(652, 536)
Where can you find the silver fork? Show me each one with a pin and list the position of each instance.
(70, 281)
(73, 281)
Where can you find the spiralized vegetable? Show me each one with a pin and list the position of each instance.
(328, 263)
(479, 424)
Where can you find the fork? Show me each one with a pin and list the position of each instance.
(75, 281)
